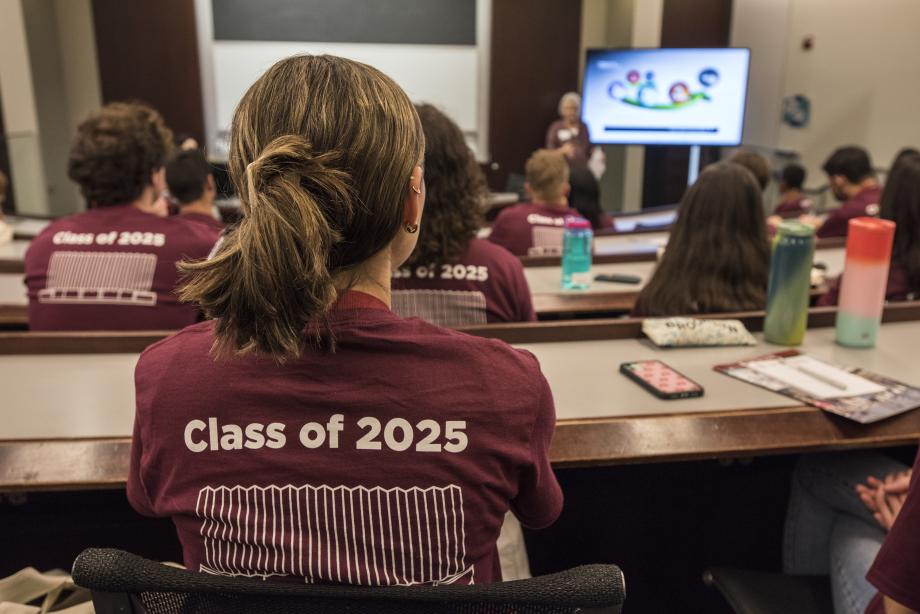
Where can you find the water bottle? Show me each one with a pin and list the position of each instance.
(788, 294)
(577, 248)
(864, 282)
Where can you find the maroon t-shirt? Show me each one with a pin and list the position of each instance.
(485, 284)
(112, 268)
(898, 288)
(531, 229)
(202, 218)
(866, 202)
(793, 207)
(896, 570)
(390, 461)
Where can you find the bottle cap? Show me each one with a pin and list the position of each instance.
(794, 228)
(870, 239)
(575, 222)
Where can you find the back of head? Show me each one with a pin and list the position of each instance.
(187, 175)
(793, 176)
(547, 173)
(321, 154)
(901, 204)
(116, 151)
(455, 191)
(755, 163)
(851, 162)
(717, 258)
(905, 154)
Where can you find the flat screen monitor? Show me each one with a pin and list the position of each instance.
(665, 96)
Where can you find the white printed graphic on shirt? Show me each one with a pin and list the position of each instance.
(118, 278)
(360, 535)
(547, 241)
(442, 307)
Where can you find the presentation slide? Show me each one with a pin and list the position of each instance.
(665, 96)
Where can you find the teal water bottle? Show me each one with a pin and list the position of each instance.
(577, 249)
(788, 294)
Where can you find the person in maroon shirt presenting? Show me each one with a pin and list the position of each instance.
(192, 186)
(900, 204)
(452, 278)
(306, 430)
(114, 266)
(853, 183)
(536, 228)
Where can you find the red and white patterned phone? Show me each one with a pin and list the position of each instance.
(661, 380)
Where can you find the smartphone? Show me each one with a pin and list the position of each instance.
(619, 279)
(661, 380)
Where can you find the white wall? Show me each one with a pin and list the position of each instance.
(862, 75)
(20, 117)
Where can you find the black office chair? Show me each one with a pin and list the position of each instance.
(757, 592)
(127, 584)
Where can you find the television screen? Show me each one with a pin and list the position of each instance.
(665, 96)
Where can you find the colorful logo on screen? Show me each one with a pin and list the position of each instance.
(644, 93)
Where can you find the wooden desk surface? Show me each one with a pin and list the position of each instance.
(75, 433)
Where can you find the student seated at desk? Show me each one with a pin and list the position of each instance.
(344, 443)
(853, 183)
(793, 202)
(536, 228)
(452, 278)
(114, 266)
(717, 258)
(755, 163)
(191, 185)
(856, 518)
(901, 205)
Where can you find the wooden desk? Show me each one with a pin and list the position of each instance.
(603, 419)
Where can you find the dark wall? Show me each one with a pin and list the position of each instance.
(701, 23)
(149, 51)
(535, 53)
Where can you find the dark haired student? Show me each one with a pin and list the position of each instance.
(452, 278)
(114, 266)
(717, 258)
(853, 183)
(901, 205)
(192, 186)
(793, 201)
(341, 442)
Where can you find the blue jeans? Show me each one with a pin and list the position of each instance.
(828, 529)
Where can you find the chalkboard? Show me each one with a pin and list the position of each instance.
(419, 22)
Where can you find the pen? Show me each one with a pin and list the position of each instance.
(822, 378)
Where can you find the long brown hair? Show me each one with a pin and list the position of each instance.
(901, 204)
(321, 153)
(717, 258)
(455, 191)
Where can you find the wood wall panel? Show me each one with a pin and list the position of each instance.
(535, 53)
(148, 51)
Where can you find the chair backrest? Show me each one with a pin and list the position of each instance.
(126, 583)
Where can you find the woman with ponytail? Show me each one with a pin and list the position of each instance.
(305, 430)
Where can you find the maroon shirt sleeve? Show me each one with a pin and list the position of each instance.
(539, 499)
(896, 569)
(505, 232)
(521, 291)
(836, 225)
(138, 495)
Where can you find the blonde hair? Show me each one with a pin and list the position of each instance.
(547, 171)
(321, 153)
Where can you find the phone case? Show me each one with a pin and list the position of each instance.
(661, 380)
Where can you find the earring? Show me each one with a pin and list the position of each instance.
(412, 228)
(415, 189)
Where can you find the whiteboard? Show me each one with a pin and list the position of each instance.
(452, 77)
